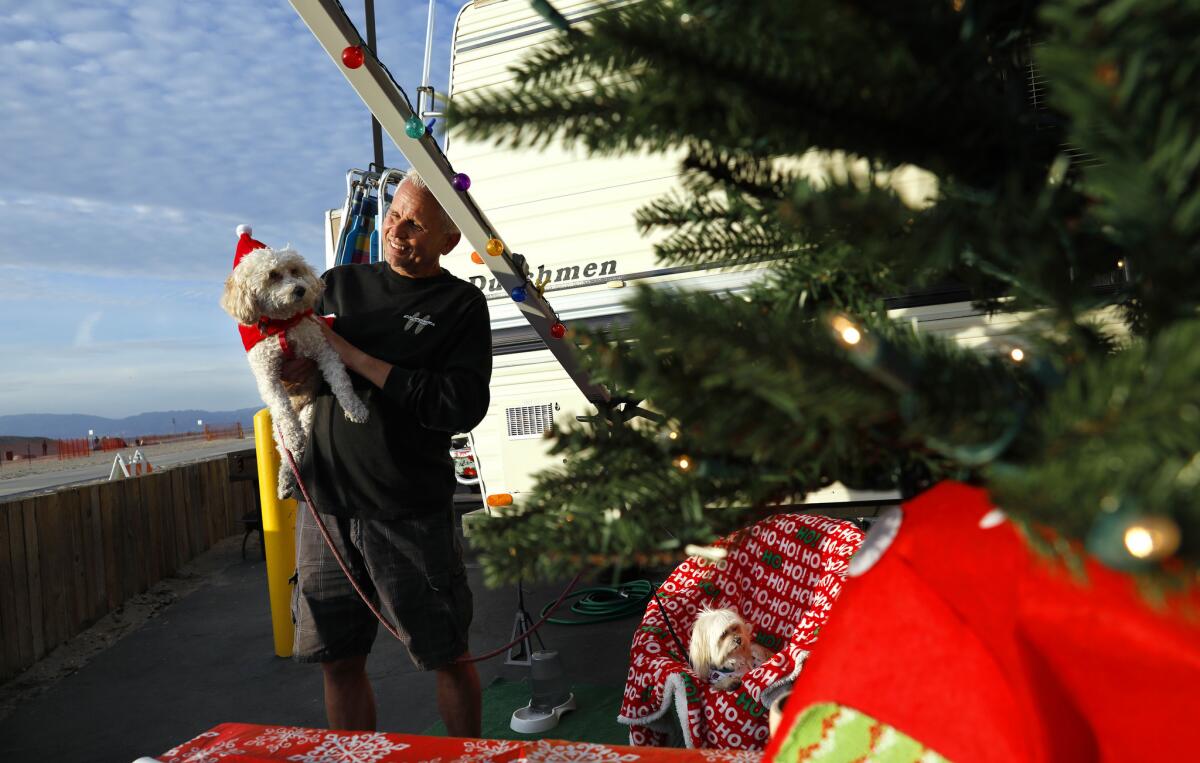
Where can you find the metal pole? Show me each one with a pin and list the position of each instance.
(425, 91)
(279, 534)
(376, 129)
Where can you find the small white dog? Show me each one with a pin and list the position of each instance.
(721, 648)
(271, 293)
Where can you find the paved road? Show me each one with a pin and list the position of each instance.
(46, 481)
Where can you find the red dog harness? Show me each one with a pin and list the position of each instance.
(252, 335)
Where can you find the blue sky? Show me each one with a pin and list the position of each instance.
(136, 137)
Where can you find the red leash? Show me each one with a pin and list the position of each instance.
(378, 615)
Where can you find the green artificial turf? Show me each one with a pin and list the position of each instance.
(593, 720)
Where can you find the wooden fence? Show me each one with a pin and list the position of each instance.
(70, 557)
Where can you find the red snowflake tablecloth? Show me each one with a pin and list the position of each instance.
(244, 742)
(783, 575)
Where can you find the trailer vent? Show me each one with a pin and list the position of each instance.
(529, 421)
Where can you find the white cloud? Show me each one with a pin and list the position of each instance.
(19, 18)
(96, 42)
(82, 235)
(89, 18)
(83, 333)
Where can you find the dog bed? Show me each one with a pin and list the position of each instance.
(782, 575)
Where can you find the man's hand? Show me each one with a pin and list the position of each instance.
(371, 368)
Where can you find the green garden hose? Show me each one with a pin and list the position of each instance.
(600, 604)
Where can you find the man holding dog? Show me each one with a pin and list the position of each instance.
(417, 341)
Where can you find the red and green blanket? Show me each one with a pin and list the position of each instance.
(783, 575)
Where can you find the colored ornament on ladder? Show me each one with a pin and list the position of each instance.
(352, 56)
(460, 181)
(414, 127)
(558, 330)
(495, 247)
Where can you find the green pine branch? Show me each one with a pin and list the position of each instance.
(778, 87)
(766, 405)
(1121, 430)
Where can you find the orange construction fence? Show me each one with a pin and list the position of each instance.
(80, 446)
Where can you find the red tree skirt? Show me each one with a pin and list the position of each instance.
(964, 638)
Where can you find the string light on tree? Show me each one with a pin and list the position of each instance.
(846, 330)
(873, 354)
(1126, 539)
(667, 438)
(682, 463)
(1017, 354)
(352, 56)
(414, 127)
(1152, 538)
(1108, 74)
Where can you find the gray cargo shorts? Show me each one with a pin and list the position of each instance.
(411, 568)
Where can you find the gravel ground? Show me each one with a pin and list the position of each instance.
(10, 469)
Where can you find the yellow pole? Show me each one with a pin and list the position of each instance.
(279, 533)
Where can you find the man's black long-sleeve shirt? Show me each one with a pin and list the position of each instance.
(436, 334)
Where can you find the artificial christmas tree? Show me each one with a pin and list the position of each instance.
(1065, 187)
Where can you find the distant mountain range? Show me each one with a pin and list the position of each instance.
(68, 425)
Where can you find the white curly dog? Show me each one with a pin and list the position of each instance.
(271, 294)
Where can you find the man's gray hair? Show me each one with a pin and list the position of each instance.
(413, 178)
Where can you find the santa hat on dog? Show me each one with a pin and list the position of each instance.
(252, 335)
(245, 244)
(265, 327)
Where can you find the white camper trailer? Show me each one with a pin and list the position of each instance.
(572, 217)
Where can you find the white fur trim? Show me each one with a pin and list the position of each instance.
(674, 689)
(993, 518)
(878, 541)
(772, 691)
(243, 228)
